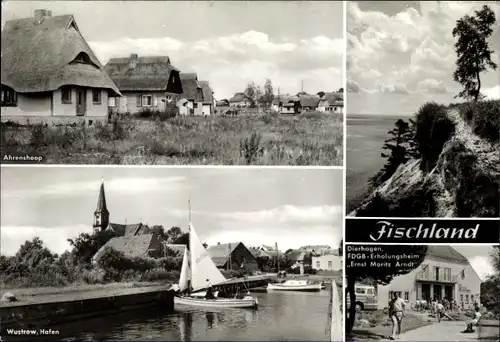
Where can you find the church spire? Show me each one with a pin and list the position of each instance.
(101, 214)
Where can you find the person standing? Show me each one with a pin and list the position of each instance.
(396, 313)
(439, 310)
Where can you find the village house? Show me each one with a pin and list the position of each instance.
(191, 102)
(330, 261)
(240, 100)
(223, 103)
(444, 274)
(101, 220)
(331, 102)
(208, 98)
(50, 74)
(234, 256)
(145, 245)
(309, 102)
(146, 82)
(317, 249)
(286, 104)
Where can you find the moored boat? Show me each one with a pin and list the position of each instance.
(295, 285)
(199, 277)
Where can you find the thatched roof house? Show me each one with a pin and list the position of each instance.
(48, 71)
(129, 229)
(193, 93)
(309, 102)
(208, 98)
(240, 100)
(148, 82)
(132, 246)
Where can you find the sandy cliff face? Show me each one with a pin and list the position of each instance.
(465, 182)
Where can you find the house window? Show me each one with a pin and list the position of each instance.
(112, 102)
(436, 273)
(472, 298)
(447, 274)
(462, 298)
(330, 265)
(318, 265)
(196, 105)
(96, 96)
(462, 274)
(147, 100)
(407, 295)
(9, 97)
(66, 95)
(83, 58)
(169, 98)
(466, 299)
(139, 101)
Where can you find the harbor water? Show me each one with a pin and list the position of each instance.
(281, 316)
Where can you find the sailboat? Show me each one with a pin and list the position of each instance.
(202, 273)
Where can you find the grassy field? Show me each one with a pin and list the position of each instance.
(264, 139)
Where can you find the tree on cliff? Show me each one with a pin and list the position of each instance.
(400, 146)
(473, 51)
(380, 275)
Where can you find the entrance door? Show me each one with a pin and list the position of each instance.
(437, 292)
(426, 292)
(81, 101)
(448, 292)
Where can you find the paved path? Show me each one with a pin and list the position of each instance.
(444, 331)
(336, 327)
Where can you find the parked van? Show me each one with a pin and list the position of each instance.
(366, 298)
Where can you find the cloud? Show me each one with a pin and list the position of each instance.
(492, 93)
(430, 85)
(353, 87)
(125, 185)
(411, 51)
(482, 266)
(54, 238)
(230, 62)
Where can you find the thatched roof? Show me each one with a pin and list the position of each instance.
(177, 247)
(285, 99)
(447, 253)
(309, 100)
(296, 255)
(131, 246)
(126, 229)
(40, 56)
(332, 97)
(145, 73)
(191, 89)
(239, 97)
(208, 94)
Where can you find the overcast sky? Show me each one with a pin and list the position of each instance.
(401, 54)
(227, 43)
(479, 258)
(256, 206)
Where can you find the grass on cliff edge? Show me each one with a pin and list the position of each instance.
(483, 117)
(307, 139)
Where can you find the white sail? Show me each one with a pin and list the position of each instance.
(185, 272)
(202, 266)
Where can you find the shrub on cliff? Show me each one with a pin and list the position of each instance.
(433, 130)
(483, 117)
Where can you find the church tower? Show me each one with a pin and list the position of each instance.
(101, 214)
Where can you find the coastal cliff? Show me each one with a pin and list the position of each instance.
(461, 180)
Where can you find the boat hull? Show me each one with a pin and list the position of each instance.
(247, 302)
(285, 287)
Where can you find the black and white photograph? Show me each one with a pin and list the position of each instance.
(422, 293)
(173, 254)
(173, 82)
(423, 109)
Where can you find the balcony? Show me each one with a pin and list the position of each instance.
(432, 278)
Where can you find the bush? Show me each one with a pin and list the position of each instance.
(484, 117)
(433, 130)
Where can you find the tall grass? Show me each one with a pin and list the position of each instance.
(308, 139)
(484, 118)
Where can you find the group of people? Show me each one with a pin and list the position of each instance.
(397, 311)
